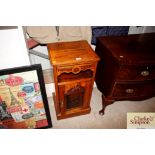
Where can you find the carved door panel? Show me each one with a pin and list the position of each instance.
(74, 95)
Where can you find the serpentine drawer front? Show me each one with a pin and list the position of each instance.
(126, 91)
(74, 66)
(126, 70)
(136, 72)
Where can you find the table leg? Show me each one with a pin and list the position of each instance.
(105, 102)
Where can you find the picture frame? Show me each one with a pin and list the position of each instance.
(23, 99)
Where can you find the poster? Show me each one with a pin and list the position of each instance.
(21, 100)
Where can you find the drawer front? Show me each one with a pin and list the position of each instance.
(133, 90)
(136, 73)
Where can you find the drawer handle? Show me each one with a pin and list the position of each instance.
(129, 91)
(145, 73)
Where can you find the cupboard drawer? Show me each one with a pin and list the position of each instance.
(133, 90)
(137, 73)
(75, 69)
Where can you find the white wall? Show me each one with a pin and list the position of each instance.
(13, 49)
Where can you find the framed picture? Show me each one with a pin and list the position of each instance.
(23, 99)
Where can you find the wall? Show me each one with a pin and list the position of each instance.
(13, 50)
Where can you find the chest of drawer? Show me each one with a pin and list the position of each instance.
(136, 73)
(133, 90)
(126, 70)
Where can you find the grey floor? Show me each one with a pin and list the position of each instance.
(114, 118)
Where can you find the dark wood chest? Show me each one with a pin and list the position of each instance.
(74, 66)
(126, 70)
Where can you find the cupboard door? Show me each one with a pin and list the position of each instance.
(74, 95)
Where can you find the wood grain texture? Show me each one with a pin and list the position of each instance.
(74, 66)
(126, 70)
(63, 53)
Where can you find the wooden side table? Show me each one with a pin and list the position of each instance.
(74, 67)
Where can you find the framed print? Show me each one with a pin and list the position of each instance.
(23, 99)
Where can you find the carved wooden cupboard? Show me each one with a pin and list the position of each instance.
(74, 67)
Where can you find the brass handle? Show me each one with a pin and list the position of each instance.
(61, 104)
(129, 91)
(145, 73)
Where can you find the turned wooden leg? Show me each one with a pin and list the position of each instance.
(105, 102)
(101, 112)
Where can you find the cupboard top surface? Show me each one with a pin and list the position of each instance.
(131, 48)
(62, 53)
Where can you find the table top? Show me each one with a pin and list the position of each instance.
(131, 48)
(62, 53)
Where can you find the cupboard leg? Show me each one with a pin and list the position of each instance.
(105, 102)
